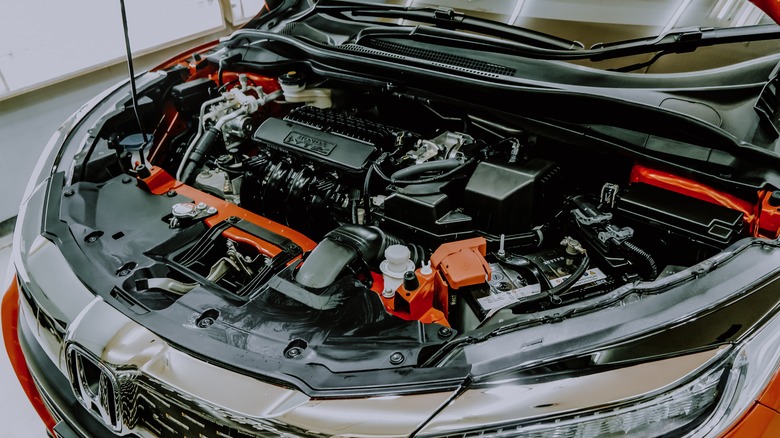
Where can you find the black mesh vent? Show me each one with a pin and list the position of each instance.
(337, 122)
(364, 49)
(441, 57)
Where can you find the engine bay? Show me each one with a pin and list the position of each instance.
(333, 193)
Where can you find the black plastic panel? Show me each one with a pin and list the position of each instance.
(506, 199)
(700, 221)
(188, 97)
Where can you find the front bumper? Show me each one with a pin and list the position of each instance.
(153, 408)
(45, 386)
(50, 391)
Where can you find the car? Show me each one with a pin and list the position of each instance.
(372, 219)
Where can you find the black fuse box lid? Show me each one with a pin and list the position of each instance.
(713, 225)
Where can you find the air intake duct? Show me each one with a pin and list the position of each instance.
(343, 246)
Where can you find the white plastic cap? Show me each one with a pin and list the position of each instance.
(291, 89)
(397, 257)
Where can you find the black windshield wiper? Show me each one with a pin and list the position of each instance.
(447, 18)
(683, 40)
(680, 41)
(530, 43)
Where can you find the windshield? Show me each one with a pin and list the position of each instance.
(592, 22)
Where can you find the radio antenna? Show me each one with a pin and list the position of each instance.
(133, 91)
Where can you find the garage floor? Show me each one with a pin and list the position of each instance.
(17, 417)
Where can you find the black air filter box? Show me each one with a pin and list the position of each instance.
(511, 199)
(702, 222)
(431, 214)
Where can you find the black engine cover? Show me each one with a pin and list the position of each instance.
(338, 151)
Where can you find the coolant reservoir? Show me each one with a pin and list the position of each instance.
(293, 86)
(397, 262)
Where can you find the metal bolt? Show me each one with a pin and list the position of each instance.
(92, 239)
(504, 286)
(397, 358)
(293, 352)
(211, 210)
(205, 322)
(171, 193)
(127, 180)
(69, 192)
(445, 332)
(202, 206)
(123, 273)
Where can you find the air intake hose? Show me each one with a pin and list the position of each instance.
(344, 245)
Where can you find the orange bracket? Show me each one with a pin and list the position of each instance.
(161, 182)
(428, 303)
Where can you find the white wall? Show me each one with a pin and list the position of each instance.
(44, 41)
(28, 120)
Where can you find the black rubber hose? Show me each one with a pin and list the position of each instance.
(553, 294)
(198, 154)
(523, 264)
(367, 196)
(354, 200)
(423, 180)
(570, 281)
(231, 58)
(429, 166)
(645, 257)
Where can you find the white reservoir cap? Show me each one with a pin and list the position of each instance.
(397, 257)
(394, 266)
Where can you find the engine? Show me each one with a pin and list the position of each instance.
(311, 168)
(448, 216)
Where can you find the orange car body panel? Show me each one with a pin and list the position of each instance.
(762, 218)
(759, 421)
(689, 187)
(10, 319)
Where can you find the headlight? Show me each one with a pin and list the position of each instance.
(755, 363)
(706, 401)
(657, 416)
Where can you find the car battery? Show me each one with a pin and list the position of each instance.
(512, 284)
